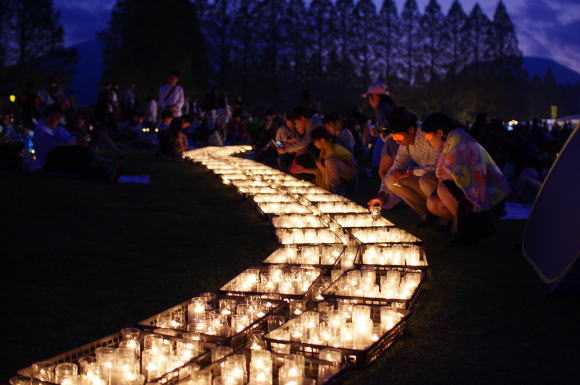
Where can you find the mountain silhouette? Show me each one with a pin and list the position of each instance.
(539, 66)
(88, 72)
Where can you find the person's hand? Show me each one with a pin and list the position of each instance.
(319, 164)
(296, 169)
(378, 201)
(398, 175)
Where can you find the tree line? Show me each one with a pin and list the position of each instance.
(268, 51)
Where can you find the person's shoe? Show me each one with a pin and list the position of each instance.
(428, 220)
(391, 200)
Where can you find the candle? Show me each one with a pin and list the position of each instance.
(64, 371)
(331, 367)
(43, 371)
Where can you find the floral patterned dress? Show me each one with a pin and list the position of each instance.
(465, 162)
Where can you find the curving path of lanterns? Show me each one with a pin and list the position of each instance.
(335, 295)
(349, 275)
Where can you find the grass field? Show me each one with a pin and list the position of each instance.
(83, 259)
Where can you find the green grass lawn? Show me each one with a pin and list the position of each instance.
(83, 259)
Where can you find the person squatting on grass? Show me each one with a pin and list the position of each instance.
(412, 175)
(469, 183)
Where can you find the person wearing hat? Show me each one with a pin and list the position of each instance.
(385, 148)
(412, 175)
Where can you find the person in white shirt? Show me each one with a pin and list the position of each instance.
(151, 110)
(171, 96)
(49, 134)
(412, 175)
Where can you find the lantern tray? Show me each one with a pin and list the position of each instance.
(112, 341)
(422, 264)
(330, 295)
(311, 365)
(358, 358)
(180, 312)
(229, 290)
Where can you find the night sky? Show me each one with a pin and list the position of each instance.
(546, 28)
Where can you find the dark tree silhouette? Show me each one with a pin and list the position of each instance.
(433, 30)
(389, 38)
(144, 44)
(410, 39)
(457, 46)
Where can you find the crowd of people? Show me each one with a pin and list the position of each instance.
(456, 175)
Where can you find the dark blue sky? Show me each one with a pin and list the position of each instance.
(546, 28)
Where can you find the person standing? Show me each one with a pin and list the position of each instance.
(171, 96)
(129, 101)
(385, 147)
(151, 110)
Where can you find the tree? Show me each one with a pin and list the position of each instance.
(456, 19)
(221, 16)
(364, 33)
(320, 29)
(503, 42)
(270, 13)
(433, 30)
(344, 39)
(244, 46)
(389, 38)
(143, 42)
(4, 32)
(295, 25)
(410, 39)
(36, 31)
(4, 29)
(476, 29)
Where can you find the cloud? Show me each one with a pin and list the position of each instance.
(550, 28)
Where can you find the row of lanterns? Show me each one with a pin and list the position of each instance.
(342, 281)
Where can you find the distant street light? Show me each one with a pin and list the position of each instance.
(12, 98)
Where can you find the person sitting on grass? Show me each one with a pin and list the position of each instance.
(166, 119)
(336, 169)
(467, 176)
(8, 133)
(11, 145)
(344, 137)
(172, 143)
(58, 151)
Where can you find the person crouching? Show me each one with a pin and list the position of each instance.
(336, 169)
